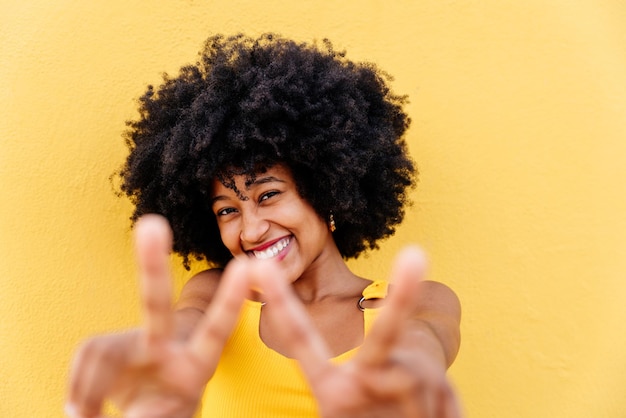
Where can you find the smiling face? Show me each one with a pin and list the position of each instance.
(268, 219)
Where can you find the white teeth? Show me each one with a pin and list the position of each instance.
(273, 250)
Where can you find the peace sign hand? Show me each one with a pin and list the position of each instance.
(394, 372)
(149, 372)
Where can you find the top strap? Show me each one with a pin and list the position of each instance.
(375, 290)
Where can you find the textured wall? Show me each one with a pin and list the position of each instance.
(518, 111)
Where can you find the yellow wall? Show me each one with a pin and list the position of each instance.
(519, 111)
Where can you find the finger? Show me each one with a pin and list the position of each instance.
(283, 308)
(79, 402)
(451, 406)
(216, 326)
(416, 397)
(153, 242)
(95, 367)
(409, 269)
(443, 402)
(396, 385)
(97, 389)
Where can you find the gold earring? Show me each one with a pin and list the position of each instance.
(332, 225)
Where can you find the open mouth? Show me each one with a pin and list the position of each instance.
(273, 250)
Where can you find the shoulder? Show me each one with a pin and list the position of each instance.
(438, 297)
(199, 290)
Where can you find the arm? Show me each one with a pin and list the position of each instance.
(400, 370)
(160, 369)
(194, 300)
(435, 326)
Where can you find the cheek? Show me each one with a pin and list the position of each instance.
(229, 235)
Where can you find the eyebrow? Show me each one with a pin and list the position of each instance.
(263, 180)
(257, 181)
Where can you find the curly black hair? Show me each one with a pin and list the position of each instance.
(250, 103)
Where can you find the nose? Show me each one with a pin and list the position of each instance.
(253, 227)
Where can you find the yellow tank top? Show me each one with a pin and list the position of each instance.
(253, 380)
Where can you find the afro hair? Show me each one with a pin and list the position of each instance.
(249, 103)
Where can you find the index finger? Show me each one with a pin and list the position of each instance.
(221, 316)
(408, 270)
(302, 340)
(153, 243)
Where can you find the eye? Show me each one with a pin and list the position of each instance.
(267, 195)
(225, 211)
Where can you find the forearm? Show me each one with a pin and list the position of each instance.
(435, 339)
(194, 301)
(185, 322)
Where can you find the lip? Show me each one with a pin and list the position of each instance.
(274, 249)
(267, 244)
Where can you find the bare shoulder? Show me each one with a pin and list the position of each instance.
(437, 297)
(199, 290)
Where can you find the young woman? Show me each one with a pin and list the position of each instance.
(275, 161)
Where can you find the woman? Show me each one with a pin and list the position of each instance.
(275, 161)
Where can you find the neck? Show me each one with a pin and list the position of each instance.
(328, 276)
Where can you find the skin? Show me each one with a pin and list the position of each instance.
(160, 370)
(271, 209)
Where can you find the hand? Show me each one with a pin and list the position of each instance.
(390, 375)
(149, 372)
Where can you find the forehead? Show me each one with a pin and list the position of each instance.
(239, 183)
